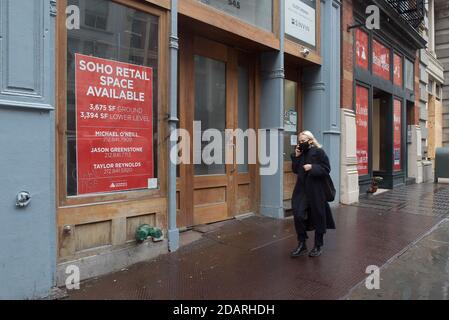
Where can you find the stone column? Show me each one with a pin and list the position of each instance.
(349, 183)
(415, 155)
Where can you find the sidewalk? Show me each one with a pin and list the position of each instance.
(250, 258)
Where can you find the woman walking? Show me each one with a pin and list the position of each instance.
(311, 210)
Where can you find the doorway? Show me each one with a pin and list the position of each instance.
(217, 90)
(292, 127)
(381, 136)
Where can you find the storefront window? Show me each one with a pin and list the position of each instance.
(300, 20)
(210, 112)
(409, 75)
(112, 99)
(290, 118)
(255, 12)
(398, 70)
(397, 123)
(361, 48)
(381, 60)
(362, 95)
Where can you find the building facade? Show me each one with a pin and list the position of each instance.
(91, 91)
(381, 135)
(441, 16)
(435, 81)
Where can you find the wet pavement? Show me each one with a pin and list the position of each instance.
(421, 273)
(250, 258)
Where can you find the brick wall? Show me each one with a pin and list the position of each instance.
(347, 48)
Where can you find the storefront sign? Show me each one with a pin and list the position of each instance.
(397, 119)
(397, 70)
(300, 20)
(381, 60)
(114, 126)
(362, 94)
(291, 120)
(361, 49)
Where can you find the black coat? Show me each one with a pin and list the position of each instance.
(309, 200)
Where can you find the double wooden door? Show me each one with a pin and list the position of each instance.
(216, 92)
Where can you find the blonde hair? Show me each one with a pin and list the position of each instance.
(312, 138)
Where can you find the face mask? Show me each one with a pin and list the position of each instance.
(304, 146)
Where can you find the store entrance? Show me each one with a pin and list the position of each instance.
(381, 136)
(217, 85)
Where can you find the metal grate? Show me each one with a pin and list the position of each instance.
(412, 11)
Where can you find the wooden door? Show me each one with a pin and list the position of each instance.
(210, 75)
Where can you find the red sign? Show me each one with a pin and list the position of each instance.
(114, 129)
(397, 122)
(381, 60)
(362, 129)
(361, 48)
(397, 72)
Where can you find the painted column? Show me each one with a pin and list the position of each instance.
(322, 90)
(27, 144)
(271, 119)
(173, 232)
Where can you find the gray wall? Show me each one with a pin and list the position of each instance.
(27, 159)
(322, 90)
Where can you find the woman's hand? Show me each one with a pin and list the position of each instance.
(308, 167)
(297, 152)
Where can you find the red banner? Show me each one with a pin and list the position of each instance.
(381, 60)
(397, 70)
(361, 49)
(362, 94)
(114, 129)
(397, 122)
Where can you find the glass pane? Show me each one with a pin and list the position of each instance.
(409, 74)
(243, 122)
(256, 12)
(290, 117)
(362, 114)
(397, 129)
(122, 38)
(381, 60)
(210, 108)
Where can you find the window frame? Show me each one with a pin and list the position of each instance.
(63, 199)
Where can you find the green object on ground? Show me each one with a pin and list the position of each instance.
(146, 231)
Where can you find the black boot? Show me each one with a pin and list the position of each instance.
(316, 252)
(300, 251)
